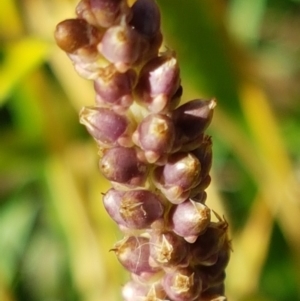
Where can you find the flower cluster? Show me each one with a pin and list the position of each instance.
(154, 152)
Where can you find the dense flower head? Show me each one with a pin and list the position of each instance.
(154, 151)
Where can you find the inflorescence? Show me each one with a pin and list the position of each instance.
(153, 150)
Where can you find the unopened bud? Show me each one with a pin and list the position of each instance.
(121, 165)
(190, 219)
(158, 82)
(105, 126)
(164, 248)
(122, 46)
(210, 242)
(182, 284)
(145, 17)
(133, 253)
(191, 120)
(101, 13)
(73, 34)
(137, 291)
(155, 135)
(140, 208)
(114, 88)
(178, 176)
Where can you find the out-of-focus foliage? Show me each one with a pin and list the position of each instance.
(54, 233)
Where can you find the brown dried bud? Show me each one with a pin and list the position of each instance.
(72, 34)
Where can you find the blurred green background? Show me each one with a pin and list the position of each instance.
(54, 233)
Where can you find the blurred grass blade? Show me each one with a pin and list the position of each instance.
(279, 184)
(202, 52)
(252, 11)
(10, 21)
(83, 251)
(20, 59)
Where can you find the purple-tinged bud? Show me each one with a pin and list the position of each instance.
(140, 208)
(191, 120)
(121, 165)
(215, 272)
(86, 62)
(198, 194)
(146, 20)
(148, 278)
(145, 17)
(210, 242)
(122, 46)
(178, 176)
(155, 135)
(133, 253)
(101, 13)
(204, 155)
(114, 88)
(182, 284)
(210, 260)
(164, 249)
(73, 34)
(189, 219)
(158, 82)
(105, 126)
(134, 291)
(209, 281)
(112, 202)
(214, 293)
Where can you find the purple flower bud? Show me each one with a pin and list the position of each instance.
(73, 34)
(107, 127)
(191, 120)
(210, 281)
(133, 253)
(148, 278)
(145, 17)
(164, 248)
(134, 291)
(86, 62)
(204, 155)
(140, 208)
(198, 194)
(137, 291)
(158, 82)
(182, 284)
(210, 242)
(215, 273)
(122, 46)
(215, 293)
(178, 176)
(155, 135)
(102, 13)
(113, 87)
(112, 202)
(121, 165)
(190, 219)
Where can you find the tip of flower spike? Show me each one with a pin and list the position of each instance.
(212, 103)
